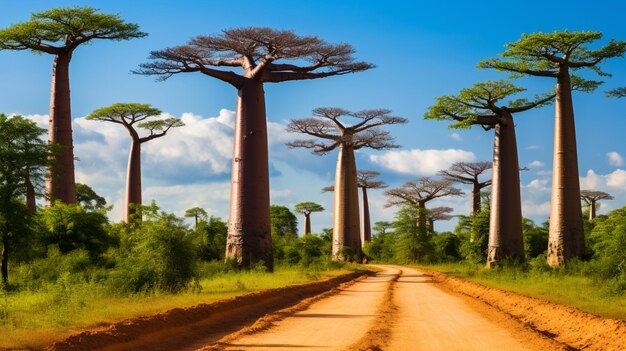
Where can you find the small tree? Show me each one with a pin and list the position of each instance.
(306, 208)
(129, 115)
(591, 197)
(366, 132)
(556, 55)
(438, 214)
(264, 55)
(418, 193)
(197, 214)
(478, 105)
(59, 32)
(367, 180)
(88, 198)
(468, 173)
(21, 152)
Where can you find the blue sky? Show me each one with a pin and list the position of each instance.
(421, 50)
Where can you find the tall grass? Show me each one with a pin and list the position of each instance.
(32, 319)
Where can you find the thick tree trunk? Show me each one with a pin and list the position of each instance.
(431, 225)
(592, 210)
(249, 237)
(31, 201)
(307, 223)
(5, 258)
(421, 214)
(133, 180)
(346, 233)
(476, 198)
(61, 185)
(505, 225)
(366, 228)
(566, 238)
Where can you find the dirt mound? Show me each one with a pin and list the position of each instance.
(567, 325)
(186, 328)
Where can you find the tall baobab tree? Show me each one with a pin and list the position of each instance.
(306, 208)
(418, 193)
(468, 173)
(197, 213)
(366, 179)
(264, 55)
(366, 132)
(59, 32)
(478, 105)
(130, 115)
(557, 55)
(438, 214)
(591, 197)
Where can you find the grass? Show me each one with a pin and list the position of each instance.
(34, 319)
(576, 290)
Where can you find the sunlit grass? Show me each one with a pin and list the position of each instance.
(574, 290)
(34, 319)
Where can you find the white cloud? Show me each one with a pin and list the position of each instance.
(538, 184)
(533, 147)
(615, 159)
(617, 179)
(421, 162)
(532, 209)
(456, 136)
(536, 164)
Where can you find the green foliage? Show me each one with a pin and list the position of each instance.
(413, 242)
(71, 227)
(608, 241)
(617, 92)
(383, 244)
(447, 247)
(88, 198)
(308, 207)
(535, 238)
(56, 28)
(474, 234)
(209, 239)
(284, 226)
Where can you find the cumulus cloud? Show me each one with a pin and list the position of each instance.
(615, 159)
(421, 162)
(538, 184)
(536, 164)
(617, 179)
(456, 136)
(537, 210)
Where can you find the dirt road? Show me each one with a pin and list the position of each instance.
(398, 309)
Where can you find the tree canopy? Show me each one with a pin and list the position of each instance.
(367, 179)
(61, 30)
(421, 190)
(308, 207)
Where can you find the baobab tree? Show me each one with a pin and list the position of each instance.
(418, 193)
(59, 32)
(366, 132)
(468, 173)
(556, 55)
(306, 208)
(437, 214)
(478, 105)
(197, 213)
(591, 197)
(264, 55)
(140, 115)
(366, 179)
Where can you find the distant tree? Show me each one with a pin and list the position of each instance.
(468, 173)
(535, 238)
(88, 198)
(437, 214)
(326, 125)
(210, 238)
(591, 197)
(284, 229)
(197, 214)
(367, 180)
(59, 31)
(418, 193)
(557, 55)
(478, 105)
(306, 208)
(129, 115)
(381, 227)
(264, 55)
(413, 244)
(22, 152)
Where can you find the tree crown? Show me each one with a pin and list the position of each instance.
(478, 105)
(466, 172)
(60, 29)
(593, 195)
(554, 54)
(325, 124)
(259, 52)
(196, 212)
(308, 207)
(421, 191)
(367, 179)
(88, 198)
(439, 214)
(129, 114)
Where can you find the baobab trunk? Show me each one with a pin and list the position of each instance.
(592, 210)
(366, 228)
(505, 225)
(346, 232)
(61, 185)
(249, 240)
(566, 238)
(133, 180)
(307, 223)
(431, 225)
(475, 198)
(421, 215)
